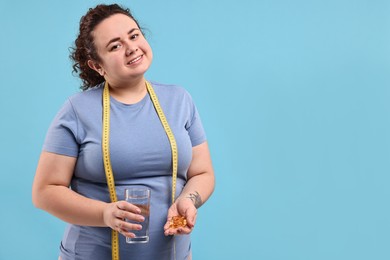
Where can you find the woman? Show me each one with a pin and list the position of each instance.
(111, 52)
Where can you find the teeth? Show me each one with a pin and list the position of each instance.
(135, 60)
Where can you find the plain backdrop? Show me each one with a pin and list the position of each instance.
(294, 97)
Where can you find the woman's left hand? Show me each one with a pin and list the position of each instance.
(182, 207)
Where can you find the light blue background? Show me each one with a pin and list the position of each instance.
(294, 96)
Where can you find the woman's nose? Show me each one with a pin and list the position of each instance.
(130, 50)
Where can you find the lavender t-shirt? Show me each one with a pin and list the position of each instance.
(140, 155)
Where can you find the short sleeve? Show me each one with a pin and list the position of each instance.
(194, 125)
(61, 137)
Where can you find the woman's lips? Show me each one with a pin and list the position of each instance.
(135, 60)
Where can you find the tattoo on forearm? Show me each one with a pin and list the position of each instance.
(196, 199)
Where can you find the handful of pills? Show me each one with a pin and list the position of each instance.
(177, 221)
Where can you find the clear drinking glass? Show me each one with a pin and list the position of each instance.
(140, 197)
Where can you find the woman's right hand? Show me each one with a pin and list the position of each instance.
(115, 215)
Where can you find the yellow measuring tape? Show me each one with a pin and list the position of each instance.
(106, 153)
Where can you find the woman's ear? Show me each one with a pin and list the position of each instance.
(96, 67)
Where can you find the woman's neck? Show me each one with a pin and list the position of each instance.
(129, 93)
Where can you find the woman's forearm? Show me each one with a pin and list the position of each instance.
(199, 188)
(51, 192)
(201, 180)
(70, 206)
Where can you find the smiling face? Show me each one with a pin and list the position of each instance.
(124, 53)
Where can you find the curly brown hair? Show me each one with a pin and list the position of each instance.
(85, 49)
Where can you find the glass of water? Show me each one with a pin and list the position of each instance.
(140, 197)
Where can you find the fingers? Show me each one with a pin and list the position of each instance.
(178, 231)
(168, 223)
(125, 210)
(191, 214)
(124, 205)
(189, 226)
(120, 213)
(125, 228)
(184, 208)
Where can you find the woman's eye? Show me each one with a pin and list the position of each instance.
(115, 47)
(134, 36)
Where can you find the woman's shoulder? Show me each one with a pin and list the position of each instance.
(87, 96)
(169, 89)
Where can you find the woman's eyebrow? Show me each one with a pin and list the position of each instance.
(118, 38)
